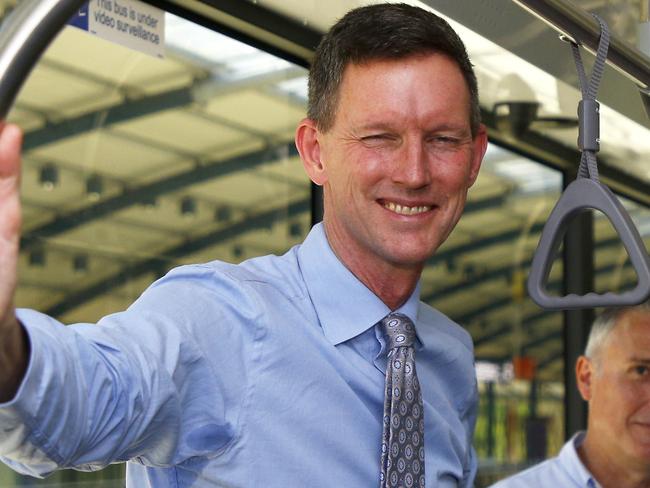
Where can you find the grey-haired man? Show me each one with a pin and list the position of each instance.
(614, 377)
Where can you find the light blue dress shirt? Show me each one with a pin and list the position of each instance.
(563, 471)
(265, 374)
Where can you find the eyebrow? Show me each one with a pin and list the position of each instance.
(388, 126)
(636, 359)
(383, 126)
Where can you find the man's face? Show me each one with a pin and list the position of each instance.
(618, 391)
(398, 160)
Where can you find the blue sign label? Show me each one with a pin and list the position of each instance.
(80, 19)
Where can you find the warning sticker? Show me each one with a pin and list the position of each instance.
(130, 23)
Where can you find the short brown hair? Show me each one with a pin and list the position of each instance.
(378, 32)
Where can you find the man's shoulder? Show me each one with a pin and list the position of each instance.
(436, 322)
(281, 272)
(543, 475)
(234, 292)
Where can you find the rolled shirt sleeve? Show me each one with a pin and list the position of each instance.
(136, 386)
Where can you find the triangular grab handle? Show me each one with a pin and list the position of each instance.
(584, 194)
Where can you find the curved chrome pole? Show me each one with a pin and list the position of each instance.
(24, 35)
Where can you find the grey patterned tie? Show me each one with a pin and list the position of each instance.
(402, 447)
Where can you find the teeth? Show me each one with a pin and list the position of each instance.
(404, 210)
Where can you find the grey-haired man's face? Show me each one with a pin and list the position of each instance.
(618, 392)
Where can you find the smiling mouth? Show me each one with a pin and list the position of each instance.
(405, 210)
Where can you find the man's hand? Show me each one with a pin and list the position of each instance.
(14, 351)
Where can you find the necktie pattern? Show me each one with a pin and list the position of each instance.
(402, 448)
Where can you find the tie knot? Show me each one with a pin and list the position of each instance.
(399, 330)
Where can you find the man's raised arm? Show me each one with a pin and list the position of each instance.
(14, 346)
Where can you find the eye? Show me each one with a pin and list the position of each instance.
(375, 137)
(641, 370)
(445, 140)
(378, 139)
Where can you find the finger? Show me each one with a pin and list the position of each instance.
(10, 142)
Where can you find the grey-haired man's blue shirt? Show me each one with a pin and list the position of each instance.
(265, 374)
(563, 471)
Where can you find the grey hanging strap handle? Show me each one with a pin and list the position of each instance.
(586, 193)
(24, 36)
(588, 108)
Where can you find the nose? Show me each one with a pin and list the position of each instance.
(412, 169)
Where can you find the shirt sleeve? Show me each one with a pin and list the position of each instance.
(158, 383)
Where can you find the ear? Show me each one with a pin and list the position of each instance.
(480, 144)
(584, 376)
(308, 145)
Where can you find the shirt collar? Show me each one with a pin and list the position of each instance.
(573, 464)
(344, 305)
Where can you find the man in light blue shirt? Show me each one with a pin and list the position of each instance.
(271, 373)
(614, 377)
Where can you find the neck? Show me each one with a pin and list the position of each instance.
(607, 472)
(392, 287)
(393, 284)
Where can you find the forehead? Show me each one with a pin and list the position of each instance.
(427, 62)
(631, 336)
(419, 86)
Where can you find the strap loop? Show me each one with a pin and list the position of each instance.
(588, 109)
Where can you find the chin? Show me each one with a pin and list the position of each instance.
(409, 260)
(641, 448)
(642, 456)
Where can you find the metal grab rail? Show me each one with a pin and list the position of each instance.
(577, 24)
(24, 35)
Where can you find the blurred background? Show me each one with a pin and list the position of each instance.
(135, 164)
